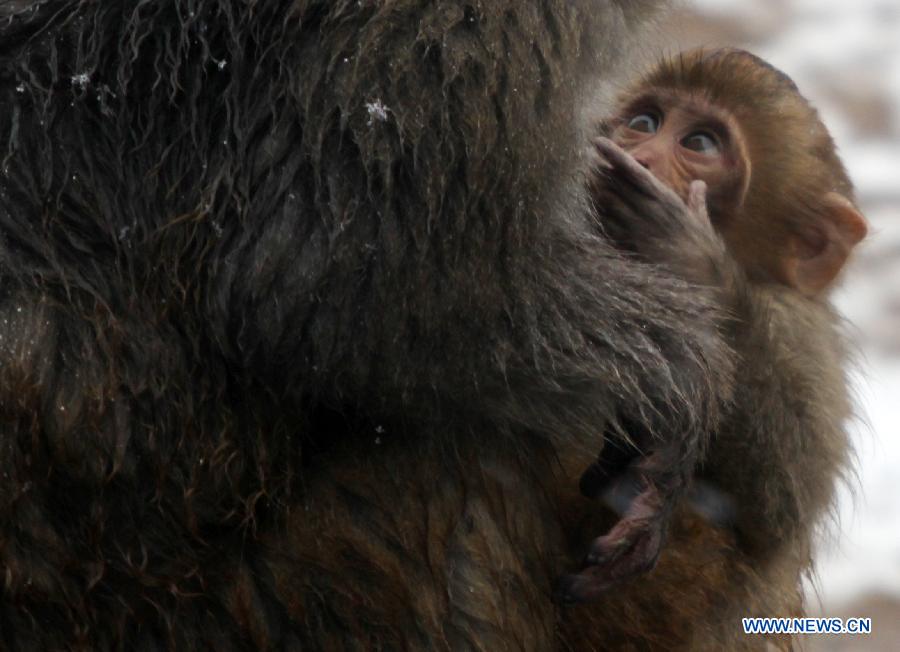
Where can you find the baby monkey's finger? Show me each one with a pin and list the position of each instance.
(697, 199)
(626, 168)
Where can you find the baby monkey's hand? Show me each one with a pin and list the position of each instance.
(644, 216)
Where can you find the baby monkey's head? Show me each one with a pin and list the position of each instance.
(777, 191)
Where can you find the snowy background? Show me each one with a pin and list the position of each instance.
(845, 57)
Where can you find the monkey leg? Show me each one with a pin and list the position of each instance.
(645, 495)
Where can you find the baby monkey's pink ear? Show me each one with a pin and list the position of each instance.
(818, 253)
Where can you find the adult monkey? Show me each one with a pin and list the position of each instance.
(305, 323)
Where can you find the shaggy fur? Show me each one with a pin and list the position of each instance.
(305, 323)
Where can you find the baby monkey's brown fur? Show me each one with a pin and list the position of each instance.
(780, 226)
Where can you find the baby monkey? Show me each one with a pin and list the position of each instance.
(772, 225)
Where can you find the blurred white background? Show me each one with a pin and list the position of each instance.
(845, 57)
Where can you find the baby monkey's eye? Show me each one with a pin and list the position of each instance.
(702, 142)
(645, 122)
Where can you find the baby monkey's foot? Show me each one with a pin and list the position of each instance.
(632, 546)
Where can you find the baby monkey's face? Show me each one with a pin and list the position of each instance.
(690, 118)
(679, 138)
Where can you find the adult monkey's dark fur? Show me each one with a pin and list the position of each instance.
(305, 325)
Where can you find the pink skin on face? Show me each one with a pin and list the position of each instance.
(681, 138)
